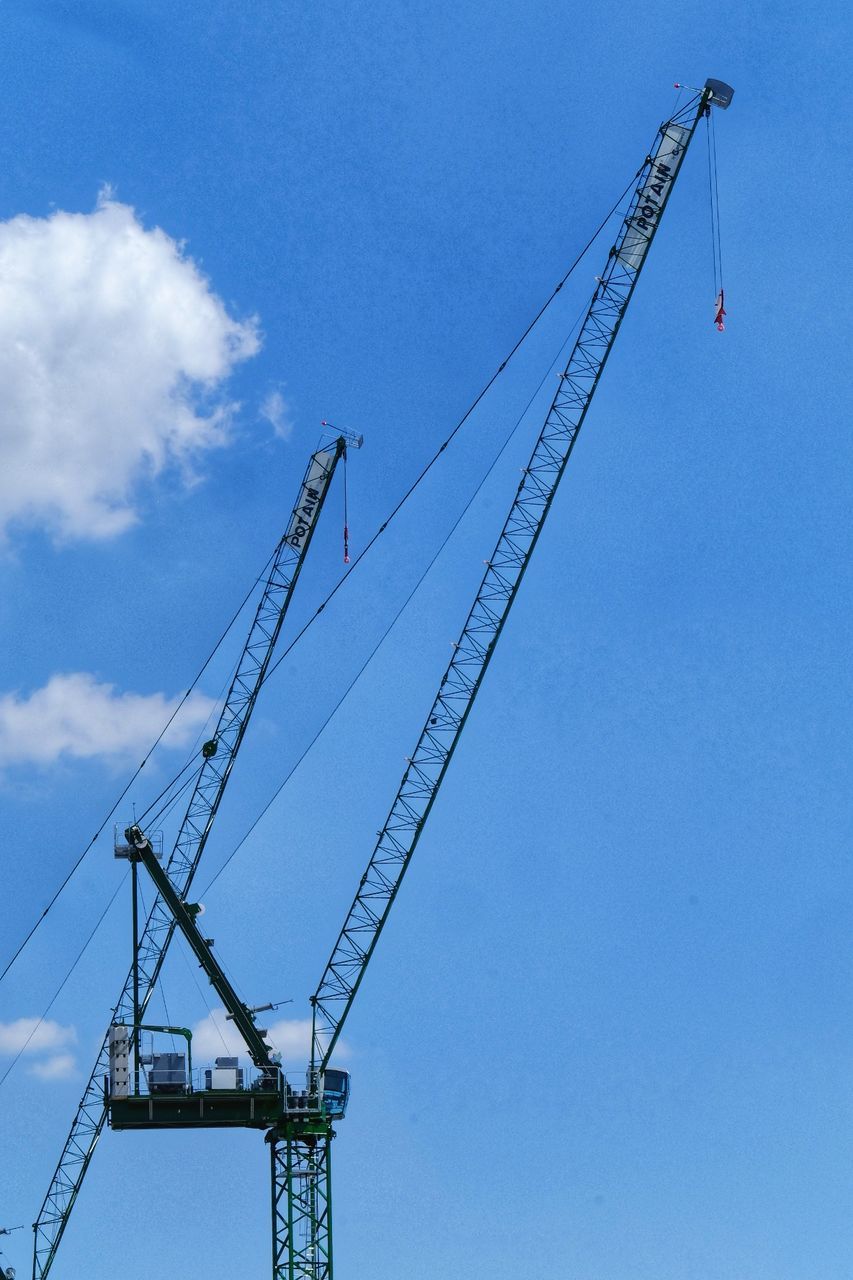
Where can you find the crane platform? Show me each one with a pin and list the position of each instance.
(174, 1104)
(207, 1109)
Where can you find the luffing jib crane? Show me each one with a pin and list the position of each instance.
(298, 1123)
(218, 756)
(473, 651)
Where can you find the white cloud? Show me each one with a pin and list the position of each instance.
(28, 1035)
(61, 1067)
(291, 1037)
(113, 354)
(75, 716)
(275, 410)
(213, 1037)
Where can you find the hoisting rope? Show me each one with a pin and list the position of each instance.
(192, 760)
(150, 822)
(205, 1001)
(330, 426)
(401, 610)
(137, 771)
(61, 986)
(714, 201)
(159, 981)
(346, 513)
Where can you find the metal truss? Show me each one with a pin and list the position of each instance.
(213, 776)
(504, 571)
(302, 1206)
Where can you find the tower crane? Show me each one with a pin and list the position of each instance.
(298, 1123)
(218, 756)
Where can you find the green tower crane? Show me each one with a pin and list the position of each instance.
(299, 1122)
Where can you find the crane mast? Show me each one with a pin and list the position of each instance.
(219, 755)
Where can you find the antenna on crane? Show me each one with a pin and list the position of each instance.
(261, 1008)
(352, 438)
(354, 441)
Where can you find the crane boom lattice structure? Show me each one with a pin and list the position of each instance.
(218, 760)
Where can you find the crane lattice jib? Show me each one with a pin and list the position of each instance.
(213, 776)
(504, 572)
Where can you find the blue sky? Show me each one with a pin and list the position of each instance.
(607, 1033)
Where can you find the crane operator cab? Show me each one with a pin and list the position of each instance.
(333, 1096)
(335, 1093)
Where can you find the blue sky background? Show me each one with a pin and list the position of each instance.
(608, 1031)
